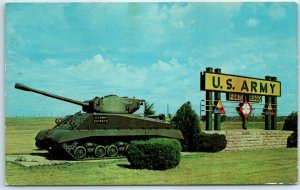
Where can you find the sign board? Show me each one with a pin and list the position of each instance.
(239, 97)
(239, 84)
(255, 98)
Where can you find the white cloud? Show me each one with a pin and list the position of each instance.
(178, 24)
(162, 82)
(50, 61)
(252, 22)
(102, 70)
(14, 38)
(277, 12)
(172, 66)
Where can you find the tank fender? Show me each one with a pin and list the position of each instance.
(61, 136)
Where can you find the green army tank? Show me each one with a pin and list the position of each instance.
(104, 128)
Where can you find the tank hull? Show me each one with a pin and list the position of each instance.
(94, 136)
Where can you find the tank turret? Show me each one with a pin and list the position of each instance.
(105, 104)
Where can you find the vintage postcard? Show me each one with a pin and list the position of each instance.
(156, 93)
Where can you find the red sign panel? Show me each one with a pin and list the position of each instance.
(245, 109)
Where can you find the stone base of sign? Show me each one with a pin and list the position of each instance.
(254, 139)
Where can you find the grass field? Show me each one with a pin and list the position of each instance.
(240, 167)
(20, 133)
(247, 167)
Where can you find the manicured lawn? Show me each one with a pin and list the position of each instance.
(243, 167)
(20, 133)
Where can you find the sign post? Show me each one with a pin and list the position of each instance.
(217, 116)
(209, 102)
(267, 116)
(275, 107)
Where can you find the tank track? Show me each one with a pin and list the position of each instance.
(93, 151)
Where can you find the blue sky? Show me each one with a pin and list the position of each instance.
(153, 51)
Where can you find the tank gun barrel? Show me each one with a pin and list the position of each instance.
(26, 88)
(107, 104)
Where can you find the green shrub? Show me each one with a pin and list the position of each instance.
(187, 120)
(291, 121)
(292, 140)
(155, 154)
(204, 142)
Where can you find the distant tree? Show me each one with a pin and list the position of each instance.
(186, 119)
(149, 108)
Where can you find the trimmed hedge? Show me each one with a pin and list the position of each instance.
(292, 140)
(291, 122)
(154, 154)
(204, 142)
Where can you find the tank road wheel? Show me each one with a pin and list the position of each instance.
(112, 151)
(80, 152)
(100, 151)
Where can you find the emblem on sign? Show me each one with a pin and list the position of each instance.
(219, 108)
(245, 109)
(268, 110)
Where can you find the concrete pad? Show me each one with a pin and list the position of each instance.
(28, 160)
